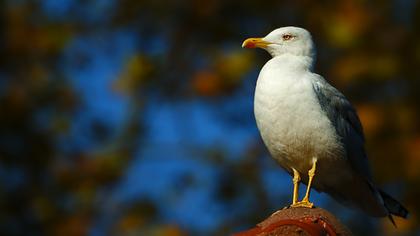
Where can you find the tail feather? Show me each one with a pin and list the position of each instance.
(393, 206)
(392, 220)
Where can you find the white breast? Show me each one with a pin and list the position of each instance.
(290, 119)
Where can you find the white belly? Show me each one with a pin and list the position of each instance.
(292, 123)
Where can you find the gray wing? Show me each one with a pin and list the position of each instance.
(347, 124)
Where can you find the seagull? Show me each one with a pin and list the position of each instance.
(311, 129)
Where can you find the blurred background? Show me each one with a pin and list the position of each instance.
(135, 117)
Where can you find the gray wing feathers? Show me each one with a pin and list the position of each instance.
(346, 122)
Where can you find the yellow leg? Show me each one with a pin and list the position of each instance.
(305, 201)
(311, 174)
(296, 180)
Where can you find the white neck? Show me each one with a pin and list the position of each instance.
(292, 62)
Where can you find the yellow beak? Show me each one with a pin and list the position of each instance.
(255, 43)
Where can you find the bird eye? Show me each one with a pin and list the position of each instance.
(287, 37)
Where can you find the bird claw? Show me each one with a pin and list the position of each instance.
(303, 203)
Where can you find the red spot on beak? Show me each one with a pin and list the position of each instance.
(254, 43)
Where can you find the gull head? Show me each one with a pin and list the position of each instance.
(286, 40)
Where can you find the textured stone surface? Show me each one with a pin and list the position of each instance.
(299, 221)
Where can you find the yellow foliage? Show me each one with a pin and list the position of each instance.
(22, 35)
(43, 207)
(346, 23)
(74, 225)
(234, 65)
(371, 117)
(133, 224)
(168, 230)
(358, 65)
(383, 66)
(207, 83)
(136, 71)
(405, 118)
(130, 222)
(227, 71)
(350, 68)
(413, 158)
